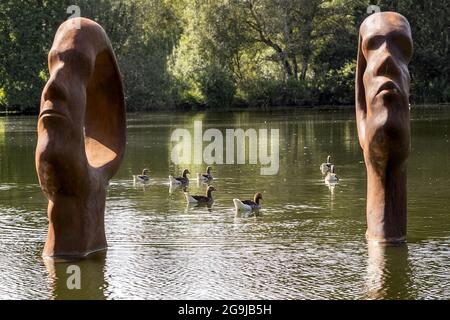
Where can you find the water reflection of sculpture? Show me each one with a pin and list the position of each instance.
(81, 137)
(389, 274)
(93, 284)
(383, 120)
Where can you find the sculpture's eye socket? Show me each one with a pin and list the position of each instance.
(373, 43)
(403, 44)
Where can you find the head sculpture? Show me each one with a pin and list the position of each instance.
(383, 120)
(81, 137)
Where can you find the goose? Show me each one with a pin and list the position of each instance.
(180, 180)
(248, 205)
(142, 178)
(331, 176)
(201, 199)
(205, 176)
(325, 167)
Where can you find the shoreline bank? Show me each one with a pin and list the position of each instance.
(240, 109)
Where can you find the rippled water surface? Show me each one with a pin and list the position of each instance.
(308, 241)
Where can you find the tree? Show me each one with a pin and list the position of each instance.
(25, 28)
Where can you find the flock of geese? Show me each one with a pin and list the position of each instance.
(326, 168)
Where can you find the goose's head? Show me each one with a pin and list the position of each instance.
(329, 159)
(258, 196)
(145, 172)
(208, 170)
(211, 189)
(185, 172)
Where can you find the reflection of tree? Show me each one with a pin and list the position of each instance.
(17, 144)
(2, 131)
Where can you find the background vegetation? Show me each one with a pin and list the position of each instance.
(223, 53)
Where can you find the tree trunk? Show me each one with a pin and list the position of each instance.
(286, 65)
(304, 66)
(294, 62)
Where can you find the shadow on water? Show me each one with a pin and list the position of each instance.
(92, 282)
(389, 274)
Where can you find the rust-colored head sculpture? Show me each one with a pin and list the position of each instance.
(81, 137)
(383, 120)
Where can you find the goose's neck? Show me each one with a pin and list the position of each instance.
(256, 200)
(184, 175)
(209, 194)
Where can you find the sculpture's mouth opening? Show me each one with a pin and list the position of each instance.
(51, 113)
(388, 87)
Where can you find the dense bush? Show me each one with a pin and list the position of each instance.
(334, 87)
(216, 86)
(269, 92)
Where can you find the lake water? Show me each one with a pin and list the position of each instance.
(307, 243)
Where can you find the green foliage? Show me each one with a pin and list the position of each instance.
(221, 53)
(3, 100)
(26, 32)
(271, 93)
(143, 34)
(333, 87)
(216, 86)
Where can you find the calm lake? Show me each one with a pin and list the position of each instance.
(307, 243)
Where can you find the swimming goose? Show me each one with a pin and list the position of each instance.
(331, 176)
(180, 180)
(201, 199)
(142, 178)
(248, 205)
(325, 167)
(205, 176)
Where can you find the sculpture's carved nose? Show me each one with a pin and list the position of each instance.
(387, 65)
